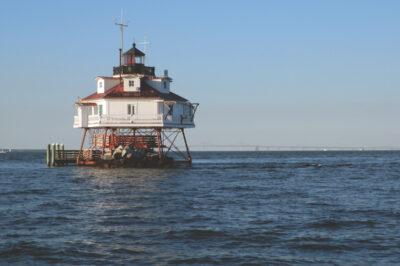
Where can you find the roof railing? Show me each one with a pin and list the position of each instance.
(134, 69)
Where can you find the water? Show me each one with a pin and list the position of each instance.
(230, 208)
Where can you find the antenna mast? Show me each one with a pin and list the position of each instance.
(122, 25)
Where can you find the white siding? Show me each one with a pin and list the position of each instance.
(158, 84)
(100, 86)
(136, 84)
(143, 106)
(106, 84)
(148, 112)
(83, 112)
(104, 103)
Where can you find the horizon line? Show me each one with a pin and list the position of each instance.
(261, 148)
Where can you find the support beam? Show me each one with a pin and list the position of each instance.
(172, 142)
(187, 147)
(158, 143)
(104, 140)
(80, 150)
(134, 137)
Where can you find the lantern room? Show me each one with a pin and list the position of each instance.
(132, 63)
(133, 56)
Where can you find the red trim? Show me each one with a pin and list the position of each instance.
(146, 91)
(101, 77)
(86, 104)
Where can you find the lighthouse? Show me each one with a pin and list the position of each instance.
(134, 112)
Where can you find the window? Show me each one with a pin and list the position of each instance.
(100, 109)
(100, 84)
(165, 84)
(131, 83)
(131, 109)
(95, 110)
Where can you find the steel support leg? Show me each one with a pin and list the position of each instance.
(158, 142)
(134, 138)
(80, 150)
(104, 140)
(189, 158)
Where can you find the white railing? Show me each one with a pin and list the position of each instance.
(93, 119)
(124, 119)
(178, 120)
(151, 117)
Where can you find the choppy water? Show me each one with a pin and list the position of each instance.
(229, 208)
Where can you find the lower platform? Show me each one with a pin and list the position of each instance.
(124, 147)
(140, 159)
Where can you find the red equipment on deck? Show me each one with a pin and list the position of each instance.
(161, 139)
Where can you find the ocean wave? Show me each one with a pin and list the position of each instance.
(195, 234)
(195, 260)
(26, 192)
(24, 248)
(335, 224)
(323, 247)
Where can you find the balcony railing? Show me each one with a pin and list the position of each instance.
(125, 119)
(134, 69)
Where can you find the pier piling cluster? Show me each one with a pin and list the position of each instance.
(56, 155)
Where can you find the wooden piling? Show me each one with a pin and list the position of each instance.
(53, 155)
(48, 155)
(57, 157)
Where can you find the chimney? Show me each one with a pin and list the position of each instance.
(166, 73)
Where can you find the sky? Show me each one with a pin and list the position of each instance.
(267, 73)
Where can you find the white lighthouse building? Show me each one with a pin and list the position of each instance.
(133, 107)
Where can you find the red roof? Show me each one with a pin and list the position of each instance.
(146, 91)
(163, 77)
(86, 104)
(101, 77)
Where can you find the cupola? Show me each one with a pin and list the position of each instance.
(133, 56)
(133, 63)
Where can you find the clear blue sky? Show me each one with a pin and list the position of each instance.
(296, 73)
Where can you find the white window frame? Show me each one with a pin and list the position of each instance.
(131, 109)
(131, 83)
